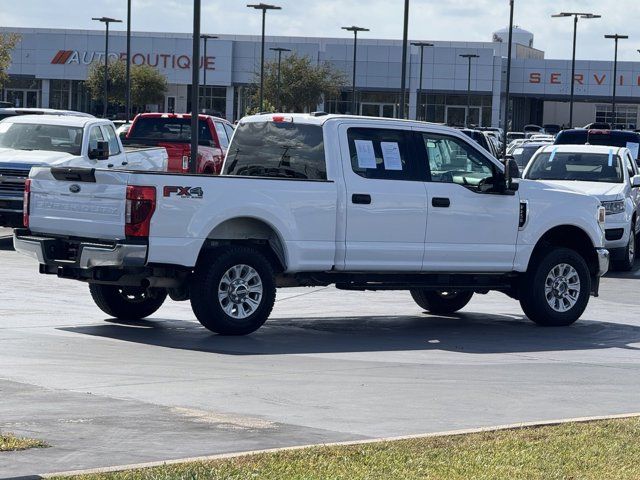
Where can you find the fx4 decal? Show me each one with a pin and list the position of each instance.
(183, 192)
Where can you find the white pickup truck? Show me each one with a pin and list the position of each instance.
(310, 200)
(61, 140)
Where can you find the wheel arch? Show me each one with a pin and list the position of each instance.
(567, 236)
(245, 230)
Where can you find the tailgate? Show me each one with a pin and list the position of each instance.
(78, 202)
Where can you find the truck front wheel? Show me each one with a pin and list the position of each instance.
(441, 302)
(233, 290)
(556, 289)
(127, 303)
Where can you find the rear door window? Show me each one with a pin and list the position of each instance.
(282, 150)
(383, 154)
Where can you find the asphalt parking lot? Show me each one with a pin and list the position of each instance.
(329, 366)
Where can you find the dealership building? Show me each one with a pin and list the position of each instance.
(50, 66)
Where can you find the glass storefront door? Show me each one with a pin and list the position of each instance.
(22, 98)
(387, 110)
(461, 116)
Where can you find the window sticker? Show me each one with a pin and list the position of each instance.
(366, 154)
(553, 154)
(391, 155)
(611, 157)
(634, 148)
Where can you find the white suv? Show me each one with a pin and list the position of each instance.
(608, 173)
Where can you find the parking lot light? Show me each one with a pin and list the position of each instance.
(279, 50)
(615, 37)
(507, 92)
(355, 31)
(264, 7)
(469, 57)
(106, 21)
(576, 16)
(421, 45)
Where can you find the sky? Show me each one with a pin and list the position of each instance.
(453, 20)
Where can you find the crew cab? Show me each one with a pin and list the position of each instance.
(608, 173)
(314, 200)
(61, 140)
(173, 132)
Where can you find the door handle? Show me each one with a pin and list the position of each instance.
(361, 198)
(440, 202)
(125, 163)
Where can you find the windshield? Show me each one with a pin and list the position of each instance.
(27, 136)
(584, 167)
(269, 149)
(606, 138)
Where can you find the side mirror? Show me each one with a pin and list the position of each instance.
(635, 181)
(511, 171)
(100, 152)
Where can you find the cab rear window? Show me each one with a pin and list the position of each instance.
(283, 150)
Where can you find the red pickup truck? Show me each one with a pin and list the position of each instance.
(173, 131)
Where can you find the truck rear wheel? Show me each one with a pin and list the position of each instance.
(233, 290)
(556, 290)
(441, 302)
(127, 303)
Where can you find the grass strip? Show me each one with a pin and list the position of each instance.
(588, 451)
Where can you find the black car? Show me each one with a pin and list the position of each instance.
(481, 139)
(612, 138)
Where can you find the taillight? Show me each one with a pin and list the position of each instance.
(26, 201)
(141, 203)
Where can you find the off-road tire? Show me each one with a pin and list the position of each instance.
(208, 279)
(535, 301)
(441, 302)
(127, 303)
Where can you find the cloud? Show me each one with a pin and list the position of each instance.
(462, 20)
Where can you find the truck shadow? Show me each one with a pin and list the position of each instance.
(466, 333)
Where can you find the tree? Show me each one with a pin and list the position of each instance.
(303, 83)
(148, 85)
(7, 43)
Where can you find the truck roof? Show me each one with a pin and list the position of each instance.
(65, 120)
(322, 118)
(201, 116)
(581, 149)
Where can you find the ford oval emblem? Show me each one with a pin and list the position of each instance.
(75, 188)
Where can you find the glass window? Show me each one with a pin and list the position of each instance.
(169, 129)
(25, 136)
(283, 149)
(452, 160)
(229, 130)
(383, 154)
(585, 167)
(114, 146)
(222, 135)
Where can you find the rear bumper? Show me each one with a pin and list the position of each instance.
(56, 252)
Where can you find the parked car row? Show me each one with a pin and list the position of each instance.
(59, 138)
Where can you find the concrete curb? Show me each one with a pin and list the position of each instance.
(513, 426)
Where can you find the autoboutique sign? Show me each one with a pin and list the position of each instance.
(157, 60)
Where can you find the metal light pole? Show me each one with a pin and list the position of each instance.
(195, 87)
(279, 50)
(468, 56)
(421, 45)
(264, 7)
(106, 21)
(615, 37)
(355, 31)
(403, 78)
(205, 37)
(507, 95)
(576, 16)
(128, 73)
